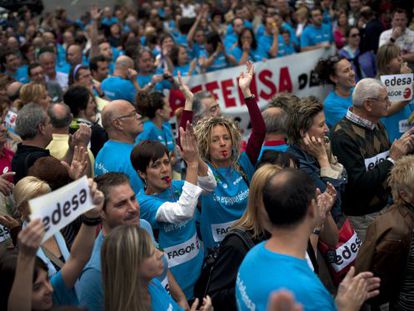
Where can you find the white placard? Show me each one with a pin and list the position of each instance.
(399, 87)
(59, 208)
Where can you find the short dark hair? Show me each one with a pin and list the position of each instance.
(75, 72)
(106, 181)
(282, 159)
(50, 170)
(32, 66)
(148, 103)
(77, 97)
(145, 152)
(286, 197)
(93, 63)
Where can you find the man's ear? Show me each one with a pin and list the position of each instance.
(367, 105)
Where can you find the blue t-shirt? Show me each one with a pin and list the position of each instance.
(160, 299)
(115, 157)
(21, 74)
(314, 35)
(90, 285)
(62, 295)
(180, 241)
(227, 203)
(335, 107)
(119, 88)
(275, 146)
(254, 55)
(143, 80)
(265, 43)
(220, 61)
(397, 124)
(263, 271)
(184, 70)
(153, 132)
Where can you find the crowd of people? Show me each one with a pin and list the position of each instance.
(194, 219)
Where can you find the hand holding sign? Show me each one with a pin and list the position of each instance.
(97, 200)
(60, 207)
(30, 238)
(399, 87)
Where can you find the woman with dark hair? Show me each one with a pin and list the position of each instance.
(246, 48)
(156, 108)
(83, 107)
(180, 60)
(363, 64)
(338, 72)
(170, 205)
(215, 56)
(81, 75)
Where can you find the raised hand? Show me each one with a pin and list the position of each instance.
(325, 201)
(79, 163)
(206, 306)
(97, 200)
(189, 147)
(355, 290)
(96, 13)
(9, 222)
(283, 300)
(81, 137)
(185, 89)
(30, 238)
(245, 79)
(315, 147)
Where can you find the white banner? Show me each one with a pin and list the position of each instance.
(399, 87)
(59, 208)
(294, 74)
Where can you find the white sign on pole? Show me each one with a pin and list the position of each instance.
(60, 207)
(399, 87)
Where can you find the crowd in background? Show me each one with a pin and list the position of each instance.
(193, 219)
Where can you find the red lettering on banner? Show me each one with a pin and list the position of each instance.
(285, 82)
(226, 87)
(196, 88)
(265, 77)
(211, 86)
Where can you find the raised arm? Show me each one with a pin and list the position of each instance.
(20, 297)
(84, 241)
(96, 15)
(258, 133)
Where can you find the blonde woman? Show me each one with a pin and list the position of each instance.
(33, 93)
(54, 251)
(131, 264)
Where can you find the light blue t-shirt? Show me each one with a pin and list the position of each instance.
(314, 35)
(180, 241)
(115, 157)
(254, 55)
(397, 124)
(220, 61)
(21, 74)
(90, 285)
(226, 204)
(143, 80)
(274, 146)
(335, 107)
(62, 295)
(153, 132)
(263, 271)
(160, 299)
(119, 88)
(265, 43)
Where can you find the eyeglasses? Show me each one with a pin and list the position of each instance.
(133, 113)
(354, 35)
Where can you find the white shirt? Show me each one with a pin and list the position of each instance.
(405, 42)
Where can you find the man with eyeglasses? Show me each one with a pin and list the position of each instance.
(123, 124)
(361, 144)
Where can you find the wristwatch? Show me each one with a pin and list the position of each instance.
(250, 97)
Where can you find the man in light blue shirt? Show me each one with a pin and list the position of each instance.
(122, 84)
(317, 34)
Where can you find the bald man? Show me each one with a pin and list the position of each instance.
(122, 123)
(123, 83)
